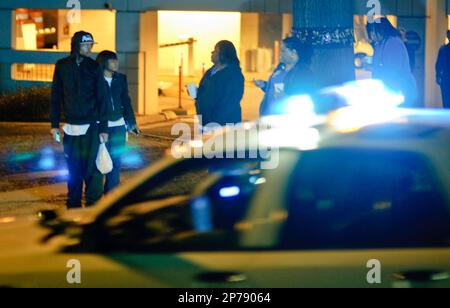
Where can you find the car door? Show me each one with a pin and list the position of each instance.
(352, 214)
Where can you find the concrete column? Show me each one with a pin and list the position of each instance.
(7, 41)
(249, 40)
(287, 25)
(332, 65)
(137, 48)
(436, 27)
(148, 37)
(127, 47)
(7, 26)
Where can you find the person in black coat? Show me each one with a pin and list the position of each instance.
(79, 93)
(121, 117)
(292, 77)
(222, 88)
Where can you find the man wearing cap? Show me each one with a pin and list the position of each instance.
(79, 93)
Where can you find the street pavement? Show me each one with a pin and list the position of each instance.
(23, 193)
(25, 188)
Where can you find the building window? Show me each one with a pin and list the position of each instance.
(32, 72)
(50, 30)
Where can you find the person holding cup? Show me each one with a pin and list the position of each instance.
(292, 76)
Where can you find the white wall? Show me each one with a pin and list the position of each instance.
(207, 27)
(101, 23)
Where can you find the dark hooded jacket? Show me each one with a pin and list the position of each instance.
(79, 91)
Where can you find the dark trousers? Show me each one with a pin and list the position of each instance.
(445, 90)
(81, 153)
(116, 147)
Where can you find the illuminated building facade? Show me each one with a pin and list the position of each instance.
(34, 34)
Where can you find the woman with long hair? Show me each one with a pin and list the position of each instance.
(391, 61)
(219, 96)
(292, 77)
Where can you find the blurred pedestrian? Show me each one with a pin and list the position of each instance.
(409, 47)
(443, 73)
(78, 87)
(218, 99)
(391, 61)
(293, 76)
(121, 119)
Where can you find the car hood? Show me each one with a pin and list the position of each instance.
(24, 234)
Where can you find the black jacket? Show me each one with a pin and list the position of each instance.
(81, 91)
(300, 80)
(443, 66)
(219, 96)
(119, 102)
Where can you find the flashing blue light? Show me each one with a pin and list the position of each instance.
(229, 192)
(47, 160)
(300, 105)
(47, 163)
(63, 173)
(368, 93)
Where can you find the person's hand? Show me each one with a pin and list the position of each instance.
(104, 138)
(134, 130)
(56, 134)
(260, 83)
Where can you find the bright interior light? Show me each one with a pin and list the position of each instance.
(228, 192)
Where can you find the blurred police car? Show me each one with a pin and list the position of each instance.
(353, 189)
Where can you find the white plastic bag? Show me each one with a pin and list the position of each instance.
(104, 161)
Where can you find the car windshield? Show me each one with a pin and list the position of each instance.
(365, 199)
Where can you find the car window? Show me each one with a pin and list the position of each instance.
(167, 215)
(364, 199)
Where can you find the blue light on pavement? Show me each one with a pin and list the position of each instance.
(46, 163)
(132, 160)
